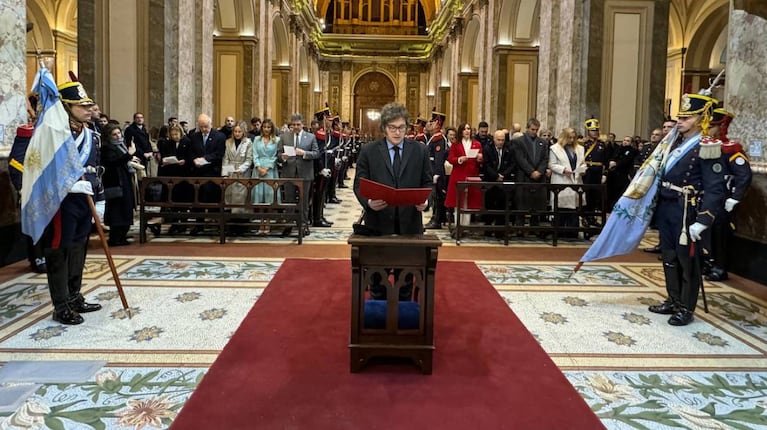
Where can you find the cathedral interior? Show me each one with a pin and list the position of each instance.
(625, 62)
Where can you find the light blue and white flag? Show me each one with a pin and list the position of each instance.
(633, 212)
(52, 164)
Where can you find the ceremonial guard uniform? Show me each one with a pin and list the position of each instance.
(438, 150)
(333, 161)
(737, 178)
(420, 135)
(691, 196)
(595, 155)
(322, 172)
(344, 153)
(16, 169)
(65, 240)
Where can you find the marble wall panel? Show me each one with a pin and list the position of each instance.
(13, 79)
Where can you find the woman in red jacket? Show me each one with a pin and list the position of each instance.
(466, 158)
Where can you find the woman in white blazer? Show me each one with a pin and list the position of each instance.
(568, 164)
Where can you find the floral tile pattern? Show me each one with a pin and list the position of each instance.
(16, 299)
(658, 400)
(548, 274)
(197, 270)
(137, 398)
(615, 323)
(200, 324)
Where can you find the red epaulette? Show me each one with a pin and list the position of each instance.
(336, 133)
(320, 134)
(732, 147)
(25, 130)
(436, 136)
(411, 136)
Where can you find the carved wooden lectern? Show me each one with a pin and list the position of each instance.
(393, 298)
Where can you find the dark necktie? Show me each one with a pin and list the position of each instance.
(296, 142)
(500, 156)
(397, 160)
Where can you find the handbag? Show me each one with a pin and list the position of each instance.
(113, 193)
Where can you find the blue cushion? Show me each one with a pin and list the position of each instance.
(375, 315)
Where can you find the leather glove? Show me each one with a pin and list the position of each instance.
(696, 230)
(82, 187)
(729, 204)
(435, 178)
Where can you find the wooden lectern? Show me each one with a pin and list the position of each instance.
(393, 298)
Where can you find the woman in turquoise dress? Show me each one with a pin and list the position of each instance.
(264, 162)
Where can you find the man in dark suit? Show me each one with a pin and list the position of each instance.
(532, 158)
(204, 156)
(499, 166)
(300, 165)
(137, 135)
(398, 163)
(377, 162)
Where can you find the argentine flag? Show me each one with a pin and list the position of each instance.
(631, 216)
(52, 164)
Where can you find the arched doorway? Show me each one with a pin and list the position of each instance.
(371, 92)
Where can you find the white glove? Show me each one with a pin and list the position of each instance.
(100, 207)
(244, 168)
(729, 204)
(696, 230)
(325, 172)
(435, 178)
(345, 158)
(82, 187)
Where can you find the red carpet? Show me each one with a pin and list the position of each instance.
(287, 365)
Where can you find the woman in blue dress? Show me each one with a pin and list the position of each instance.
(264, 162)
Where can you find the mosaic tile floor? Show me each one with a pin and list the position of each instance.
(631, 367)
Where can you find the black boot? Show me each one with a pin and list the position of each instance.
(75, 276)
(716, 273)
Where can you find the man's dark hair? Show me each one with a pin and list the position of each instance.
(533, 122)
(393, 111)
(483, 124)
(255, 119)
(171, 119)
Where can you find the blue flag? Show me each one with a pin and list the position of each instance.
(632, 213)
(52, 164)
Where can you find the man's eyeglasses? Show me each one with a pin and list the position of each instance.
(394, 128)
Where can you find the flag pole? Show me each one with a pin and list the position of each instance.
(118, 284)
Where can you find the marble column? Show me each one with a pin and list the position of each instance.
(562, 64)
(203, 60)
(13, 105)
(13, 79)
(746, 97)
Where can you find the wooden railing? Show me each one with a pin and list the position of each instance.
(550, 218)
(200, 202)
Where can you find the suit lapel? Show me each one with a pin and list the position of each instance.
(405, 155)
(384, 149)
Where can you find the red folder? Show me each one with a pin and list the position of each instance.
(393, 196)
